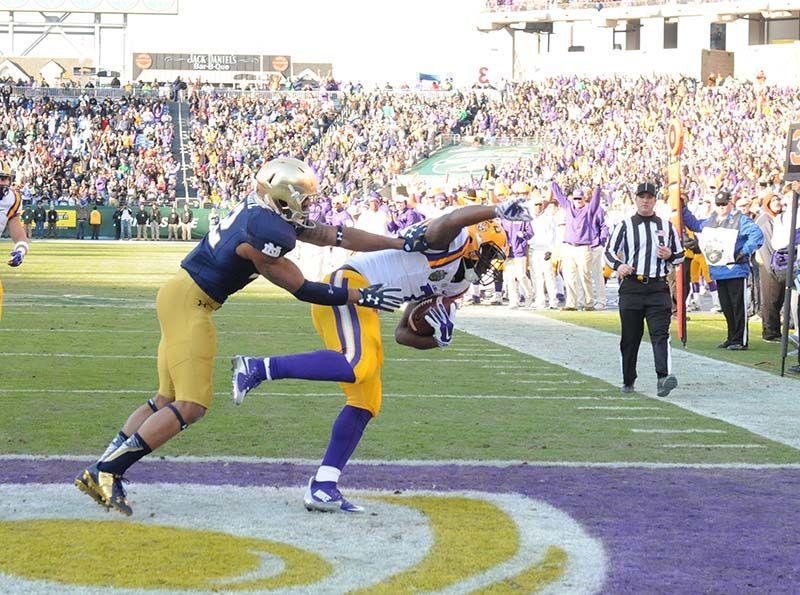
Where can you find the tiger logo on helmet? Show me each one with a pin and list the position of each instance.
(286, 184)
(485, 252)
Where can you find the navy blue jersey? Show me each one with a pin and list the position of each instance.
(214, 264)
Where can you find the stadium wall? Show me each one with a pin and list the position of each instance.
(66, 227)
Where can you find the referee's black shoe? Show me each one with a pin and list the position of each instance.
(666, 385)
(737, 347)
(724, 345)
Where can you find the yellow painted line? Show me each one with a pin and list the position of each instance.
(470, 537)
(533, 578)
(149, 556)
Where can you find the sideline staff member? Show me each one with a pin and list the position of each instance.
(642, 249)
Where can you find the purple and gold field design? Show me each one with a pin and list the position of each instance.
(488, 471)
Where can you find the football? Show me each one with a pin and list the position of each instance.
(416, 320)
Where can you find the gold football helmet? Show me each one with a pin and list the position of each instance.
(6, 174)
(285, 184)
(486, 252)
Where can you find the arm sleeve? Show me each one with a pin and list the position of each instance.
(322, 294)
(615, 246)
(594, 203)
(560, 197)
(754, 237)
(692, 222)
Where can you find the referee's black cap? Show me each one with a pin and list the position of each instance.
(722, 198)
(646, 188)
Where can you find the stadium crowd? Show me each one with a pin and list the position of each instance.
(87, 150)
(596, 138)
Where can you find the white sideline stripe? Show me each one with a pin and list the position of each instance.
(758, 401)
(713, 446)
(634, 418)
(665, 431)
(284, 394)
(421, 462)
(633, 408)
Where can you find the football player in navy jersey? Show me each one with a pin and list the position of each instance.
(251, 241)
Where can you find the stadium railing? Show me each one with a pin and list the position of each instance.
(68, 93)
(529, 5)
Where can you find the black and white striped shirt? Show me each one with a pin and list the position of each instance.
(635, 240)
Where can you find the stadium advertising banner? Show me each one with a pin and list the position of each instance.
(209, 62)
(104, 6)
(66, 218)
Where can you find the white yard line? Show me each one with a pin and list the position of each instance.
(667, 431)
(713, 446)
(643, 417)
(270, 393)
(428, 463)
(629, 408)
(760, 402)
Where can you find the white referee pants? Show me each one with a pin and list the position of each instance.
(576, 265)
(544, 279)
(599, 281)
(517, 282)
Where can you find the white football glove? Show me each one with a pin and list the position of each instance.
(513, 209)
(441, 319)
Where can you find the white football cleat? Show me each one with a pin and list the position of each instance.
(244, 377)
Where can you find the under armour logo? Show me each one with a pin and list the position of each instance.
(372, 299)
(202, 304)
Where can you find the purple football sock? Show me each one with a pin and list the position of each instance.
(695, 288)
(315, 365)
(712, 285)
(345, 434)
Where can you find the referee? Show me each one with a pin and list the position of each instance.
(642, 249)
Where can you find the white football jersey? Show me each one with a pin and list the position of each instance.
(9, 207)
(417, 274)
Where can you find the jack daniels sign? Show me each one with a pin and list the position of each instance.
(210, 62)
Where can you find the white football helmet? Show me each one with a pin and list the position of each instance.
(285, 184)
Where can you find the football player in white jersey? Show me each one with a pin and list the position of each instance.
(10, 209)
(353, 356)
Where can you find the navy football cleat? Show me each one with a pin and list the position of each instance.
(244, 377)
(324, 496)
(105, 488)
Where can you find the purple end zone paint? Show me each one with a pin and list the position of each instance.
(680, 530)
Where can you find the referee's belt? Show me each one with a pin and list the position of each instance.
(645, 280)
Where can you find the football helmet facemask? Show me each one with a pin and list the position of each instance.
(485, 253)
(285, 184)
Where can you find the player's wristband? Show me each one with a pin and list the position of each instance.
(322, 294)
(21, 245)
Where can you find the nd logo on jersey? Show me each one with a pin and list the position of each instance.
(272, 250)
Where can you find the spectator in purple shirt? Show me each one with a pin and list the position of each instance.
(403, 216)
(580, 233)
(519, 234)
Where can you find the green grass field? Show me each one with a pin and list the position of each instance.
(79, 335)
(704, 332)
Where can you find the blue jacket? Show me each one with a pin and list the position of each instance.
(748, 241)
